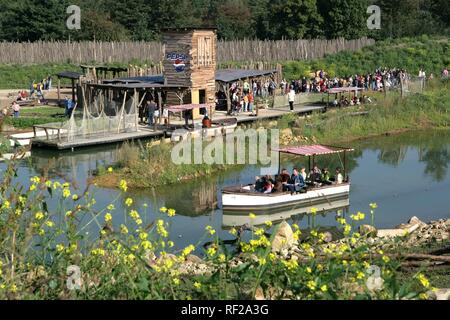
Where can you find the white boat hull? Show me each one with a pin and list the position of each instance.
(246, 200)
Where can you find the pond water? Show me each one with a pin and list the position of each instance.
(406, 175)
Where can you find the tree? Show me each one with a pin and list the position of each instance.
(344, 18)
(294, 19)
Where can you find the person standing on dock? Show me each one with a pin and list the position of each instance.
(291, 96)
(151, 107)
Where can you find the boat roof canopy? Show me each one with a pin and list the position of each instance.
(185, 107)
(315, 150)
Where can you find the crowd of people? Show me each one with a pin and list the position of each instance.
(370, 81)
(299, 181)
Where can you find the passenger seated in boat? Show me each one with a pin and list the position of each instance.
(339, 178)
(268, 187)
(279, 187)
(326, 178)
(285, 177)
(315, 175)
(259, 184)
(303, 173)
(297, 183)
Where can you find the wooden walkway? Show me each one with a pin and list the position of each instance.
(148, 133)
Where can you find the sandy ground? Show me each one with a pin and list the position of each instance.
(7, 96)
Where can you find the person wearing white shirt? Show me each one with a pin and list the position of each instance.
(291, 96)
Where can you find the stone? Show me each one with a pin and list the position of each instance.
(440, 294)
(368, 230)
(284, 238)
(194, 259)
(391, 233)
(259, 295)
(447, 223)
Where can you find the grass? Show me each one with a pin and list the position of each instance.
(430, 53)
(36, 116)
(393, 114)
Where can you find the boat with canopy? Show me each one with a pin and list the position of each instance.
(248, 199)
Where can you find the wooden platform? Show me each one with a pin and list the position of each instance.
(92, 141)
(147, 133)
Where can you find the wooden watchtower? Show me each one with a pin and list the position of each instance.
(190, 61)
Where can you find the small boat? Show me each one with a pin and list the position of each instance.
(247, 199)
(232, 219)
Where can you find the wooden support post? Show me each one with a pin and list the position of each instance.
(345, 166)
(59, 91)
(73, 90)
(160, 107)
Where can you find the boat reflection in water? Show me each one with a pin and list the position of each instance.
(236, 219)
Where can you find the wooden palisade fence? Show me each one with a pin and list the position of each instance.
(126, 52)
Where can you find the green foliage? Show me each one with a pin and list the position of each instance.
(28, 20)
(430, 53)
(137, 260)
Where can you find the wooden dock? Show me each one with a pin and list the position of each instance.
(145, 132)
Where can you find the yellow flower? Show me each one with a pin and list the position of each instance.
(176, 281)
(314, 211)
(143, 236)
(163, 210)
(222, 258)
(311, 285)
(110, 169)
(108, 217)
(373, 206)
(147, 245)
(35, 180)
(138, 222)
(50, 224)
(66, 193)
(188, 250)
(123, 229)
(268, 224)
(423, 280)
(170, 244)
(18, 212)
(233, 232)
(309, 270)
(262, 261)
(60, 248)
(111, 207)
(259, 232)
(129, 202)
(360, 275)
(211, 251)
(75, 197)
(98, 252)
(41, 232)
(252, 216)
(6, 204)
(32, 187)
(39, 216)
(386, 259)
(123, 186)
(197, 285)
(171, 213)
(324, 288)
(423, 296)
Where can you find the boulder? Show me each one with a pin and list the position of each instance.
(194, 259)
(368, 230)
(440, 294)
(413, 224)
(284, 238)
(391, 233)
(259, 295)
